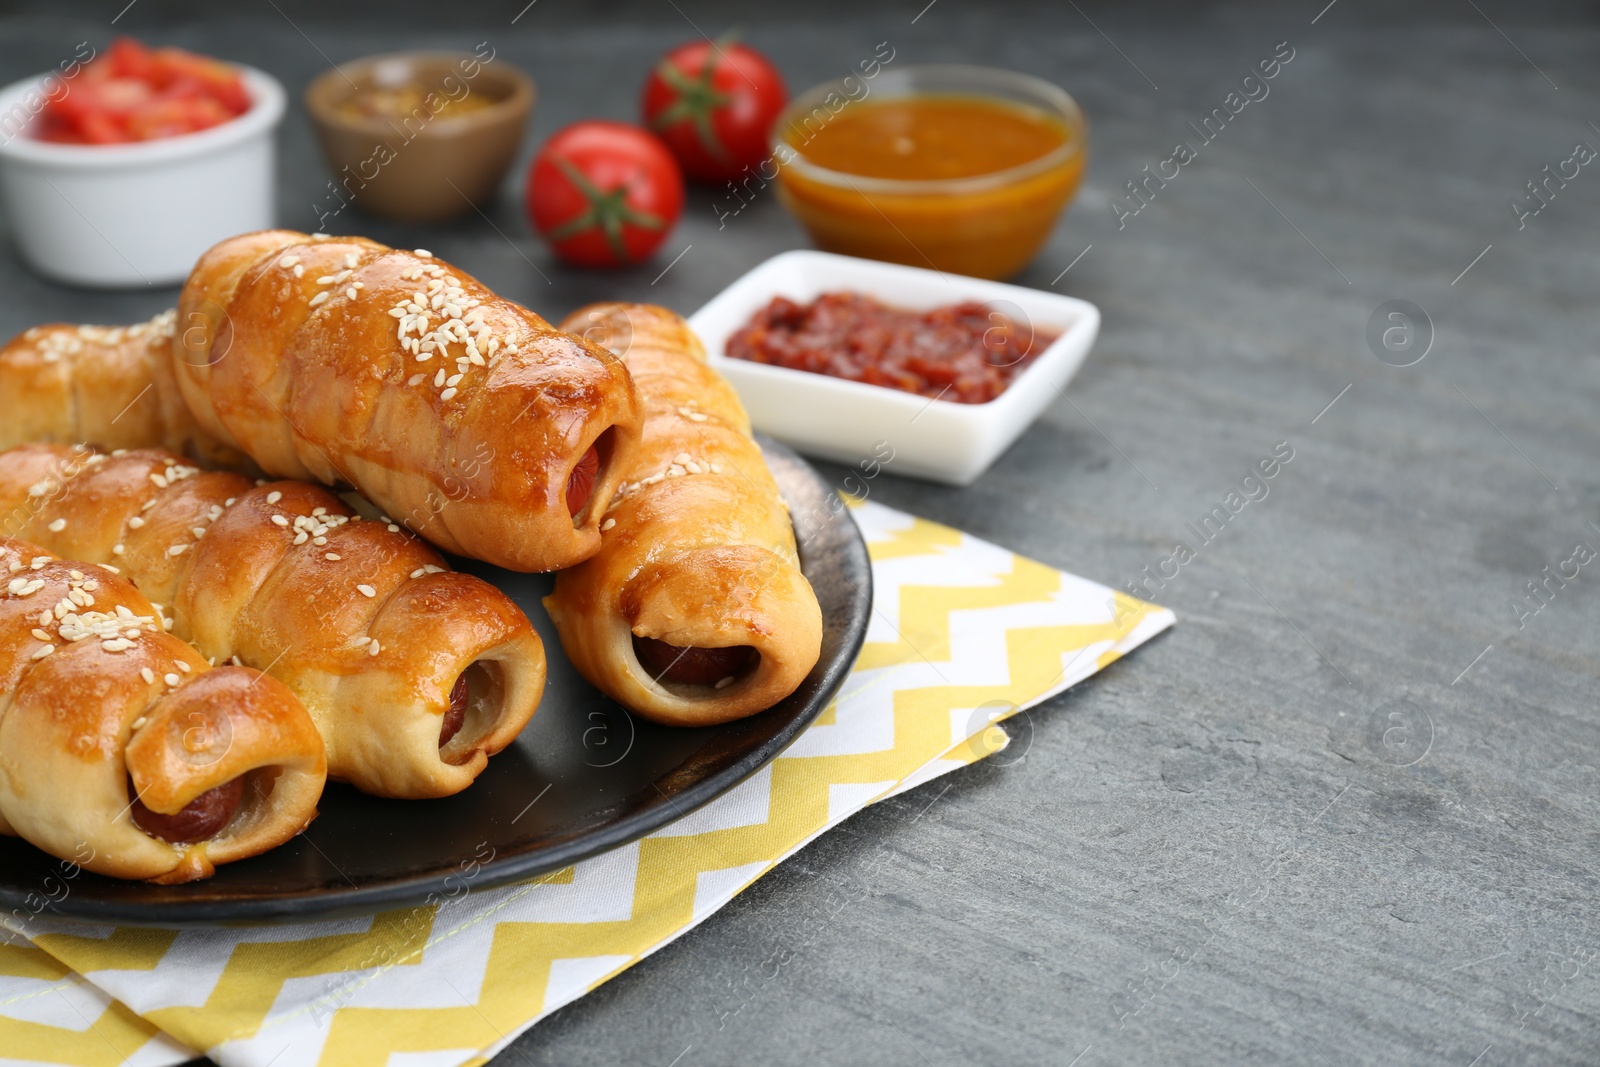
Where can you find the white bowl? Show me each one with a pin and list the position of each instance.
(853, 422)
(125, 215)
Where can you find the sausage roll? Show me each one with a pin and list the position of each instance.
(467, 417)
(111, 386)
(414, 674)
(694, 611)
(121, 749)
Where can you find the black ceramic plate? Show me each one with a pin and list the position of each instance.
(584, 777)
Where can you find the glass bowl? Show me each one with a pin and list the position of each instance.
(986, 225)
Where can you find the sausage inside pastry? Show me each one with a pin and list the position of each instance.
(694, 611)
(121, 748)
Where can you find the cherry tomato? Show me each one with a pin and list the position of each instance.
(604, 193)
(714, 104)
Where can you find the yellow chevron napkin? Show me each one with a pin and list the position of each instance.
(963, 633)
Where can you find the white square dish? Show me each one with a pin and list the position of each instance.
(847, 421)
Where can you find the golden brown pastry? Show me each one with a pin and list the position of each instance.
(121, 749)
(466, 417)
(110, 386)
(414, 674)
(694, 611)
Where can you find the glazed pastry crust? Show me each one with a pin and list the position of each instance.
(82, 721)
(698, 548)
(363, 622)
(110, 386)
(459, 413)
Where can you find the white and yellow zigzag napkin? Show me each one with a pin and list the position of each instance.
(963, 633)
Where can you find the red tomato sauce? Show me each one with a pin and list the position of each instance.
(966, 352)
(136, 93)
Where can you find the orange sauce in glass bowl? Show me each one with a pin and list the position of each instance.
(959, 181)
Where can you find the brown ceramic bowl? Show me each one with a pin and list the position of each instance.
(437, 155)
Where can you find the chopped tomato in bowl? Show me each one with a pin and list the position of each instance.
(118, 169)
(137, 93)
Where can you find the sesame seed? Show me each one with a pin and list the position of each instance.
(299, 270)
(447, 394)
(183, 668)
(423, 252)
(17, 585)
(366, 590)
(177, 550)
(288, 261)
(320, 298)
(58, 526)
(76, 576)
(332, 557)
(608, 524)
(148, 504)
(279, 520)
(438, 379)
(148, 675)
(117, 549)
(454, 379)
(351, 259)
(301, 538)
(40, 634)
(228, 503)
(415, 379)
(109, 567)
(319, 541)
(725, 682)
(274, 496)
(682, 457)
(171, 680)
(373, 649)
(38, 564)
(362, 640)
(136, 522)
(144, 720)
(43, 652)
(393, 528)
(198, 531)
(351, 292)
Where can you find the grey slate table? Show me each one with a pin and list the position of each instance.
(1346, 812)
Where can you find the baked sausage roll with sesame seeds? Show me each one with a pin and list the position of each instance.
(694, 611)
(468, 418)
(110, 386)
(413, 673)
(121, 748)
